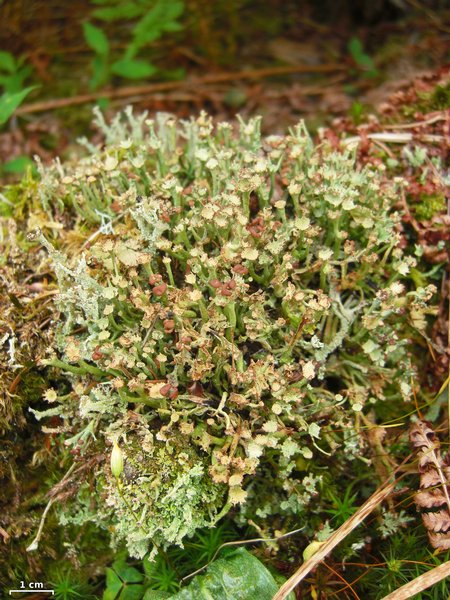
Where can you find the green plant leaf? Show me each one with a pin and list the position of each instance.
(132, 592)
(133, 69)
(362, 59)
(9, 102)
(173, 26)
(123, 582)
(162, 17)
(124, 11)
(100, 72)
(126, 573)
(156, 595)
(17, 165)
(96, 39)
(238, 575)
(160, 575)
(113, 585)
(355, 48)
(7, 62)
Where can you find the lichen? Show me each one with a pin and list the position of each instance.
(230, 306)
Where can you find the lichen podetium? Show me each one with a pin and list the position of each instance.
(230, 305)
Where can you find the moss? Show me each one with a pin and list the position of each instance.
(440, 97)
(430, 101)
(429, 206)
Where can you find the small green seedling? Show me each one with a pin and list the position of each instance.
(363, 60)
(153, 19)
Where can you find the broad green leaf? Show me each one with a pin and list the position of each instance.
(238, 575)
(17, 165)
(100, 72)
(7, 62)
(123, 582)
(9, 102)
(14, 82)
(127, 573)
(355, 48)
(156, 595)
(133, 69)
(132, 592)
(113, 585)
(96, 39)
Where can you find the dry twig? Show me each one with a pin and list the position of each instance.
(375, 500)
(165, 86)
(420, 583)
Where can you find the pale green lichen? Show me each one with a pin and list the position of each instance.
(230, 305)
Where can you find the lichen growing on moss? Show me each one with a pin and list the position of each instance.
(230, 306)
(164, 495)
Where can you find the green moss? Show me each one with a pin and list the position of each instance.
(437, 99)
(440, 98)
(429, 206)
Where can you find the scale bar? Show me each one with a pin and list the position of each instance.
(52, 592)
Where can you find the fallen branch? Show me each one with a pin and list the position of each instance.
(344, 530)
(165, 86)
(441, 116)
(394, 138)
(420, 583)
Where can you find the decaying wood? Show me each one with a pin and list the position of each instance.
(433, 499)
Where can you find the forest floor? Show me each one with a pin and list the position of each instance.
(306, 71)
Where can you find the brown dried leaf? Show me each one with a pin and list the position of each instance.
(437, 521)
(426, 459)
(430, 499)
(421, 435)
(430, 459)
(435, 484)
(441, 541)
(429, 479)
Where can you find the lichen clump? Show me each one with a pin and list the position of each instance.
(231, 306)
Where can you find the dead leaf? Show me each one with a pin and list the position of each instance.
(440, 541)
(437, 521)
(430, 499)
(435, 484)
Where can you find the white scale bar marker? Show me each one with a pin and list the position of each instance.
(37, 591)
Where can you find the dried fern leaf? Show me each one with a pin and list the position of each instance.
(434, 483)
